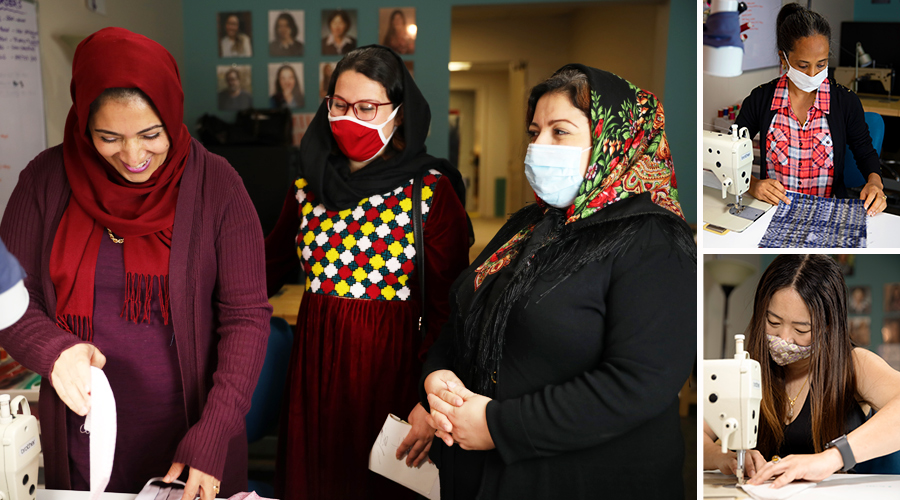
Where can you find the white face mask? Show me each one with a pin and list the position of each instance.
(803, 81)
(554, 172)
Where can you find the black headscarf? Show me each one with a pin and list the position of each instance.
(328, 171)
(630, 177)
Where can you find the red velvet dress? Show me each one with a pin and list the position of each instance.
(357, 349)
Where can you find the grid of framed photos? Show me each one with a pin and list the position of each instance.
(286, 45)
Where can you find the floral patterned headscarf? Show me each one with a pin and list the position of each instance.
(629, 156)
(630, 153)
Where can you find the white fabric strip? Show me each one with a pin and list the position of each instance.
(101, 424)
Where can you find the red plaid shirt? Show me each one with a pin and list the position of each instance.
(801, 157)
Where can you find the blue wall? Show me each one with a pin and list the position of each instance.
(431, 58)
(866, 11)
(874, 271)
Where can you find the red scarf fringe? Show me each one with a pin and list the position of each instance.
(80, 326)
(139, 297)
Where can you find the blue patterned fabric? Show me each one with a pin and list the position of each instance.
(816, 222)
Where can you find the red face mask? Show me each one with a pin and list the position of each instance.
(359, 140)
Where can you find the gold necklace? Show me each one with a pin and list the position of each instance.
(122, 240)
(791, 411)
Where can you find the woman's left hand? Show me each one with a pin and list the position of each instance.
(873, 197)
(418, 440)
(795, 467)
(469, 421)
(197, 480)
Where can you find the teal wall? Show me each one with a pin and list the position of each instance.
(431, 73)
(873, 271)
(681, 101)
(866, 11)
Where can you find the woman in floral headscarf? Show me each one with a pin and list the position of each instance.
(558, 371)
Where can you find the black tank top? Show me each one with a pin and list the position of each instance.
(798, 434)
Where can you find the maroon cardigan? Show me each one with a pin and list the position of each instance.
(219, 308)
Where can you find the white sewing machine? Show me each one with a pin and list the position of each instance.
(732, 392)
(21, 449)
(728, 165)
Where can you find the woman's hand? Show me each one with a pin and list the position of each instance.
(71, 376)
(197, 479)
(439, 383)
(727, 462)
(467, 421)
(418, 441)
(873, 195)
(768, 190)
(793, 467)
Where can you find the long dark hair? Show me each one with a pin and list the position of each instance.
(291, 24)
(279, 92)
(795, 22)
(391, 32)
(832, 381)
(381, 65)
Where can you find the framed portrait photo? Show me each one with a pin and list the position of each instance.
(339, 31)
(233, 87)
(235, 34)
(286, 33)
(286, 85)
(397, 29)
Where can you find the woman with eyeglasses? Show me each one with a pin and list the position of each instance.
(348, 223)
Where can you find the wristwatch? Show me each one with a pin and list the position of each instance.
(846, 453)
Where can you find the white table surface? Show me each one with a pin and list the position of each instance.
(42, 494)
(882, 231)
(836, 487)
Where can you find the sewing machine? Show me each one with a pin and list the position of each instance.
(21, 449)
(728, 165)
(732, 393)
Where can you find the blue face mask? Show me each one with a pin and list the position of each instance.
(554, 172)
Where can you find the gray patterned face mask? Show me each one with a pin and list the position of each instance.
(785, 353)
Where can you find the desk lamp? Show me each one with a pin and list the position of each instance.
(862, 59)
(13, 295)
(729, 274)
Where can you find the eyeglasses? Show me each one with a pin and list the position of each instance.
(364, 110)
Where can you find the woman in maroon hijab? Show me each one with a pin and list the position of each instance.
(144, 258)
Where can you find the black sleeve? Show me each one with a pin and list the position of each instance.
(750, 112)
(858, 137)
(650, 344)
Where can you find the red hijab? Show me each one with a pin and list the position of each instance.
(143, 214)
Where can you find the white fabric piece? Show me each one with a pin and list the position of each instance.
(157, 489)
(766, 492)
(101, 424)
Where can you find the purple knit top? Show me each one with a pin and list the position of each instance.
(142, 368)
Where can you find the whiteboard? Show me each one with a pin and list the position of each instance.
(759, 48)
(22, 131)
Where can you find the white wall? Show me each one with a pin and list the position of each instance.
(160, 20)
(593, 35)
(720, 92)
(599, 37)
(491, 127)
(740, 308)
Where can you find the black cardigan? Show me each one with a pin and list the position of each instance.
(586, 401)
(846, 120)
